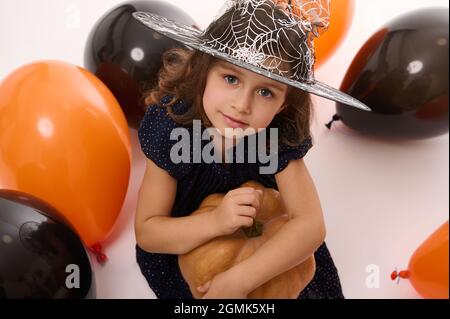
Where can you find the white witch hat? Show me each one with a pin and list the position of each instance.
(273, 38)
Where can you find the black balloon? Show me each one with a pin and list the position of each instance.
(126, 55)
(402, 74)
(40, 257)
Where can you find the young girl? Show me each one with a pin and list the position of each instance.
(251, 69)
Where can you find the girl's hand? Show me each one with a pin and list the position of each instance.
(223, 286)
(238, 209)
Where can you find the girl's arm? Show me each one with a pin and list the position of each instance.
(297, 240)
(156, 231)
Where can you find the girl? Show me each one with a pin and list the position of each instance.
(251, 69)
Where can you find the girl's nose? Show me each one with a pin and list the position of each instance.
(242, 103)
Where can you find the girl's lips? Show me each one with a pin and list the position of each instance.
(233, 123)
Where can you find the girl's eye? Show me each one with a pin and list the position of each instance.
(231, 79)
(265, 93)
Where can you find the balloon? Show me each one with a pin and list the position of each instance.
(428, 268)
(126, 55)
(64, 139)
(402, 74)
(40, 257)
(341, 16)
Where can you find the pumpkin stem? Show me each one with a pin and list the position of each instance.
(255, 231)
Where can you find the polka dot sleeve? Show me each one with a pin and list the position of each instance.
(289, 153)
(154, 136)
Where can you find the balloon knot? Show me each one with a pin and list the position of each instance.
(98, 251)
(404, 274)
(394, 275)
(336, 118)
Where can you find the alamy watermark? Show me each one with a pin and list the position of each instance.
(373, 279)
(73, 20)
(211, 153)
(73, 277)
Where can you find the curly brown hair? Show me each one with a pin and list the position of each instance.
(183, 76)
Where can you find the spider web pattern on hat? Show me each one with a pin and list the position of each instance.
(275, 35)
(273, 38)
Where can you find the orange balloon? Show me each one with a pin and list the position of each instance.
(341, 16)
(65, 140)
(429, 265)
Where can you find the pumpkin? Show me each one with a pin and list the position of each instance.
(220, 254)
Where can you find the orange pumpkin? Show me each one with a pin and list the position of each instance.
(220, 254)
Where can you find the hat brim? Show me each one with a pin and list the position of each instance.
(192, 38)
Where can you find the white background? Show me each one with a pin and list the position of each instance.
(380, 198)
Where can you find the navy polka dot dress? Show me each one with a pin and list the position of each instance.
(198, 180)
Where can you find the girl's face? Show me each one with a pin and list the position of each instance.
(237, 98)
